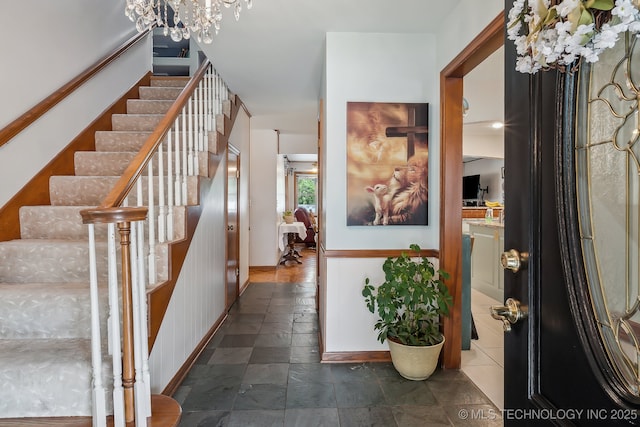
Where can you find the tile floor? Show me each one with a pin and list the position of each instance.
(484, 362)
(262, 369)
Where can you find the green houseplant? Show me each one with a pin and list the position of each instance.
(409, 304)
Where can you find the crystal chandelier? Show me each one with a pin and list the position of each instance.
(189, 16)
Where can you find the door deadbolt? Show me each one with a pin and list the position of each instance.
(514, 260)
(509, 313)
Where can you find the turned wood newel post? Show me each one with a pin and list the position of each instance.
(128, 367)
(123, 218)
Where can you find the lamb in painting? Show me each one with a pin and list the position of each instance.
(379, 202)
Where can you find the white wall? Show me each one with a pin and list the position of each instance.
(383, 68)
(263, 211)
(298, 144)
(198, 299)
(462, 25)
(240, 138)
(484, 145)
(43, 61)
(377, 68)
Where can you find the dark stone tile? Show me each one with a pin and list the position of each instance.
(399, 391)
(356, 394)
(474, 415)
(447, 375)
(244, 328)
(217, 338)
(305, 300)
(280, 309)
(457, 392)
(305, 355)
(203, 374)
(231, 355)
(257, 418)
(181, 393)
(266, 373)
(255, 307)
(348, 372)
(242, 340)
(385, 370)
(304, 340)
(273, 340)
(310, 395)
(283, 300)
(305, 317)
(278, 317)
(305, 327)
(276, 328)
(270, 355)
(210, 396)
(421, 416)
(204, 419)
(204, 357)
(245, 318)
(366, 417)
(261, 396)
(310, 372)
(304, 309)
(312, 417)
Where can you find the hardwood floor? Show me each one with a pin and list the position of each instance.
(291, 272)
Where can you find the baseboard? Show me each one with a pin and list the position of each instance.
(350, 356)
(177, 379)
(355, 356)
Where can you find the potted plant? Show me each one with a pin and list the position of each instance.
(409, 304)
(288, 217)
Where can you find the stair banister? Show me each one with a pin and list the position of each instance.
(137, 166)
(184, 130)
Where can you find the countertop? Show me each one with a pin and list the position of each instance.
(483, 223)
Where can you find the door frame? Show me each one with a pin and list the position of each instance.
(451, 90)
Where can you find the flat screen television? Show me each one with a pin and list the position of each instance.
(470, 187)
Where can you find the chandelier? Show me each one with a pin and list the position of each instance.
(189, 16)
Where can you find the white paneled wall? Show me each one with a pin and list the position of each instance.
(199, 296)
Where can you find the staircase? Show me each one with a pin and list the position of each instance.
(45, 353)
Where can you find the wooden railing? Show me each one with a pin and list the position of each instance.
(26, 119)
(174, 148)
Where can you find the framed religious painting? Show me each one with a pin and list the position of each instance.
(387, 163)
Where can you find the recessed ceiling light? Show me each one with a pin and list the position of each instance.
(497, 125)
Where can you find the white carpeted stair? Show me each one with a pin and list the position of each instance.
(45, 361)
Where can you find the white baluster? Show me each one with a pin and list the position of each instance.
(114, 329)
(201, 116)
(169, 188)
(135, 255)
(140, 294)
(152, 224)
(191, 134)
(178, 184)
(183, 190)
(99, 411)
(162, 210)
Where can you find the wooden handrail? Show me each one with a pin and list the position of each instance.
(144, 156)
(26, 119)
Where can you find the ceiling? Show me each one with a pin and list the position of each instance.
(273, 57)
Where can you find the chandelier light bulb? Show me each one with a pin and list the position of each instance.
(189, 16)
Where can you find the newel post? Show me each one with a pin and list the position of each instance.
(123, 217)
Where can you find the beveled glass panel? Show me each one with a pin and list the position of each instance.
(607, 150)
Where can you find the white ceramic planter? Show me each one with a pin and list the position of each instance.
(415, 362)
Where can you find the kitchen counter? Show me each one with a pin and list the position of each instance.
(487, 246)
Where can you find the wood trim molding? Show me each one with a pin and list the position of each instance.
(489, 39)
(36, 191)
(356, 356)
(376, 253)
(26, 119)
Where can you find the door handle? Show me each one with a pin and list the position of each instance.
(509, 313)
(514, 260)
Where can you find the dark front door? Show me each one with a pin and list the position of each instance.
(571, 198)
